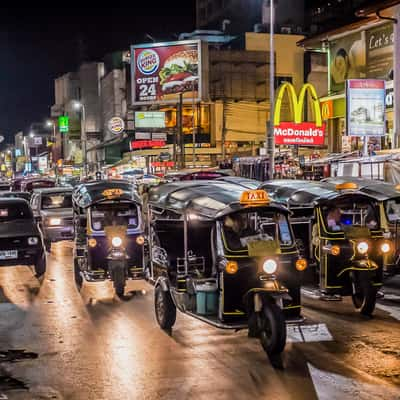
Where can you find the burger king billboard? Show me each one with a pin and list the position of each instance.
(161, 71)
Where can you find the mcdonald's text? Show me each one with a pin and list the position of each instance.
(305, 134)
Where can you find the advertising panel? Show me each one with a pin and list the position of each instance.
(150, 119)
(347, 60)
(366, 54)
(161, 71)
(298, 132)
(365, 105)
(380, 50)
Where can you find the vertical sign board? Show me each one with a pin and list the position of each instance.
(161, 71)
(365, 107)
(63, 123)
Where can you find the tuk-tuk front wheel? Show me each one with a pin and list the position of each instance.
(77, 275)
(119, 280)
(164, 308)
(364, 298)
(272, 329)
(40, 266)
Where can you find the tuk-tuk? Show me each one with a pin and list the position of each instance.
(226, 256)
(388, 196)
(338, 229)
(108, 233)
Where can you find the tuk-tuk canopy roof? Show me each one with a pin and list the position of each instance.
(299, 193)
(238, 180)
(87, 194)
(212, 199)
(377, 189)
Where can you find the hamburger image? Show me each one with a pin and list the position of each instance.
(180, 74)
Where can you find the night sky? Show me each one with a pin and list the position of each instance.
(41, 43)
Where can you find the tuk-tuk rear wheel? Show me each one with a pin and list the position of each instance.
(364, 299)
(272, 329)
(164, 308)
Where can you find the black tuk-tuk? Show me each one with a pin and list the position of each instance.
(338, 229)
(226, 256)
(388, 196)
(108, 233)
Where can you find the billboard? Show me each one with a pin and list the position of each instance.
(365, 107)
(298, 132)
(161, 71)
(362, 55)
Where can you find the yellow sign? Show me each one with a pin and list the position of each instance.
(297, 103)
(347, 186)
(254, 197)
(111, 193)
(327, 110)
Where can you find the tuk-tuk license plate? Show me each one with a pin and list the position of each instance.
(8, 254)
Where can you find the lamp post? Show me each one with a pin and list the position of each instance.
(270, 132)
(51, 123)
(80, 106)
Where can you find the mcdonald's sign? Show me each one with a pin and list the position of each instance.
(298, 132)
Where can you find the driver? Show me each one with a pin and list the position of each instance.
(333, 219)
(236, 227)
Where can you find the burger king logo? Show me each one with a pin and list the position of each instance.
(148, 62)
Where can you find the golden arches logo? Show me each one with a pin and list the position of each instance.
(297, 103)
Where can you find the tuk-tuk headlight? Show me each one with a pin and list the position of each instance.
(32, 241)
(116, 241)
(362, 247)
(270, 266)
(54, 221)
(385, 247)
(231, 267)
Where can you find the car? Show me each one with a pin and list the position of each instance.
(27, 185)
(52, 208)
(21, 242)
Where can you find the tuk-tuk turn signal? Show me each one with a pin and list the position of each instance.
(301, 264)
(92, 242)
(335, 250)
(231, 267)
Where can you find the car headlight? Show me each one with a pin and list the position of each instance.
(54, 221)
(385, 247)
(32, 241)
(116, 241)
(362, 247)
(270, 266)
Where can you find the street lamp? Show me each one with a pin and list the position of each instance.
(80, 106)
(31, 134)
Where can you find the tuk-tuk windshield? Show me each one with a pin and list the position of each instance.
(249, 226)
(346, 214)
(392, 209)
(119, 214)
(56, 200)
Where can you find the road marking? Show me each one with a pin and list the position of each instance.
(393, 311)
(332, 386)
(308, 333)
(391, 297)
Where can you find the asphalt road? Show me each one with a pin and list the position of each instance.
(92, 346)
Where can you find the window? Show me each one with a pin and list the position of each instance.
(392, 208)
(56, 200)
(12, 212)
(114, 215)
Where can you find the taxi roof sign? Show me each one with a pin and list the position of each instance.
(254, 198)
(347, 186)
(112, 193)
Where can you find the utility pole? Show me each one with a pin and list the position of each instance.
(181, 139)
(270, 128)
(193, 127)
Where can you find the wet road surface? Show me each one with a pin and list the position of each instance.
(93, 346)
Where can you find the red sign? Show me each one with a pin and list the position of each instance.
(304, 134)
(162, 164)
(366, 84)
(161, 71)
(142, 144)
